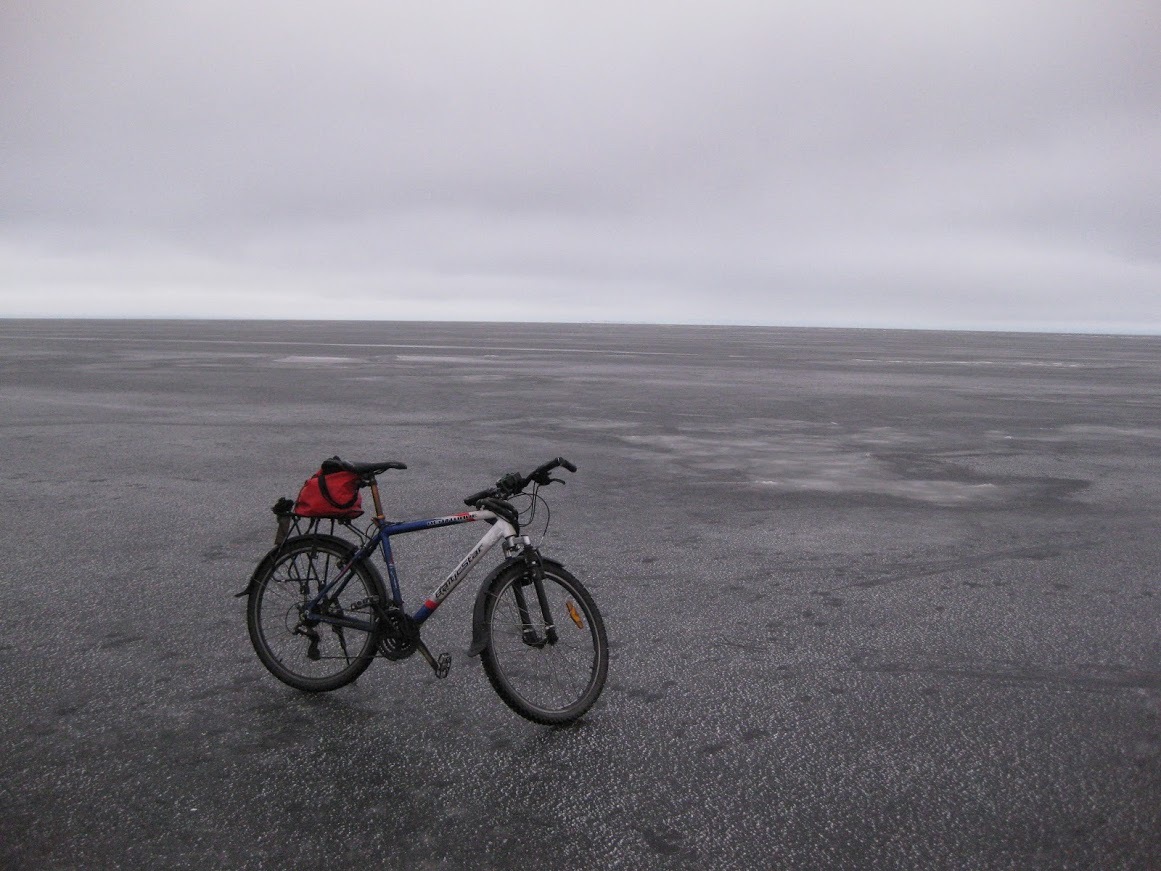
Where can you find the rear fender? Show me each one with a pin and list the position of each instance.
(259, 571)
(479, 624)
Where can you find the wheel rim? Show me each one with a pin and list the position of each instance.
(550, 678)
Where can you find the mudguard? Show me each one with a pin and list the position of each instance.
(479, 633)
(273, 553)
(259, 570)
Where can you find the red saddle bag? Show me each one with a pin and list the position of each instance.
(330, 493)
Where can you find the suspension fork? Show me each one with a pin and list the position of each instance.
(535, 577)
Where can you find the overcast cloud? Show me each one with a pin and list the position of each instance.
(968, 165)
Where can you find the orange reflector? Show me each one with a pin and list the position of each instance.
(574, 614)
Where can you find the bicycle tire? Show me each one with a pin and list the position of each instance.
(320, 657)
(548, 683)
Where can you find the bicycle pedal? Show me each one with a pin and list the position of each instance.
(443, 665)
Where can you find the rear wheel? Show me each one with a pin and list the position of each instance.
(311, 654)
(548, 670)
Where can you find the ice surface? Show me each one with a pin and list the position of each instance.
(876, 599)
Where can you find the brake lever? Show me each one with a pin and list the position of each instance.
(558, 481)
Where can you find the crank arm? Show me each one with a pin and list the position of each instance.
(441, 666)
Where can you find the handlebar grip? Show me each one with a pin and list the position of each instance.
(566, 464)
(483, 494)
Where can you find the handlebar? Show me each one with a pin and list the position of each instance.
(514, 483)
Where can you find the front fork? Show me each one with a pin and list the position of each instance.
(534, 577)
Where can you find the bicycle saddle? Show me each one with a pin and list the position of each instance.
(335, 464)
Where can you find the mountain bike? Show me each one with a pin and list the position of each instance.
(318, 610)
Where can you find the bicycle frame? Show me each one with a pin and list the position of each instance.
(500, 530)
(319, 609)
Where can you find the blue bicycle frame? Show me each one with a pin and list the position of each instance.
(500, 530)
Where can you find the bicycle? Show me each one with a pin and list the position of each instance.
(318, 611)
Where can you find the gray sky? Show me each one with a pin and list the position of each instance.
(927, 164)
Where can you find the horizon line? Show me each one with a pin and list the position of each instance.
(1076, 330)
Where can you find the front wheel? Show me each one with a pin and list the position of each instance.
(546, 657)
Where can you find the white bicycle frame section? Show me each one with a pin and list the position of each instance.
(500, 531)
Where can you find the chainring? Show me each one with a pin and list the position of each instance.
(398, 633)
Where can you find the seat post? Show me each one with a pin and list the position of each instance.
(375, 498)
